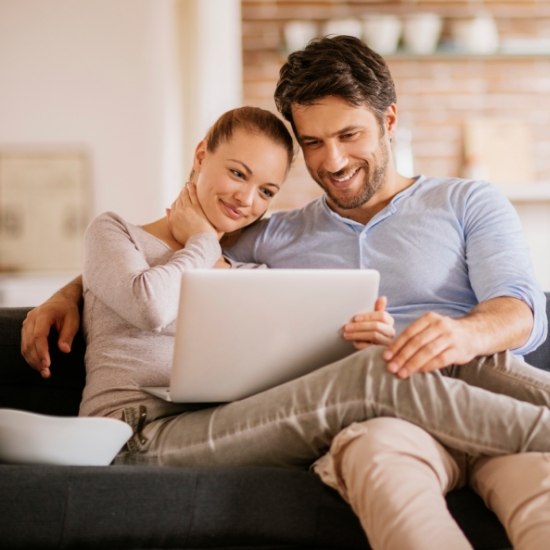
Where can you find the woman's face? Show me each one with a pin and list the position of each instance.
(237, 181)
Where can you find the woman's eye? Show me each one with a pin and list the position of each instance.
(237, 173)
(267, 193)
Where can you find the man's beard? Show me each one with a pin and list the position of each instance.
(371, 183)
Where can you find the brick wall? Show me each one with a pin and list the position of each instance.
(437, 93)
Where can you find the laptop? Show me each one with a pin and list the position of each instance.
(242, 331)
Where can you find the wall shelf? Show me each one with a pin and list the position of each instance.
(527, 192)
(456, 55)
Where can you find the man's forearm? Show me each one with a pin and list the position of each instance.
(435, 341)
(71, 292)
(499, 324)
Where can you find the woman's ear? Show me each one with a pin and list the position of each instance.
(200, 154)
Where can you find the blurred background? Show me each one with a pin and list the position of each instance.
(103, 101)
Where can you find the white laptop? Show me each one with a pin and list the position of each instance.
(241, 331)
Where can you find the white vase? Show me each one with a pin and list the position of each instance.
(382, 32)
(421, 32)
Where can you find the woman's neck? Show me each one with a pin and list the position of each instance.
(160, 230)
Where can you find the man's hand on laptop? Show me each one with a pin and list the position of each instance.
(371, 327)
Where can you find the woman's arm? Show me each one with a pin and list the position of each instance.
(118, 272)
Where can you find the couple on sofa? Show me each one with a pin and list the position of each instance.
(431, 400)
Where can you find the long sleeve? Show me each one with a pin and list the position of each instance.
(120, 272)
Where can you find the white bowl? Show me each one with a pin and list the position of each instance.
(30, 438)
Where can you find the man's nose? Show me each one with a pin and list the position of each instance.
(334, 157)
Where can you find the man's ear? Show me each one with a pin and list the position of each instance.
(390, 119)
(200, 154)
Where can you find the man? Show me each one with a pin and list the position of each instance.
(451, 255)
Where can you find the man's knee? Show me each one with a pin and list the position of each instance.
(378, 436)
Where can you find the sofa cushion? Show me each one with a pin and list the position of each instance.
(150, 507)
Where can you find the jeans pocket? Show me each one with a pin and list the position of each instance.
(136, 417)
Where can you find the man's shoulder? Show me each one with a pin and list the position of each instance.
(450, 183)
(458, 190)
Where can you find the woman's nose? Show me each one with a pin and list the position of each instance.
(245, 194)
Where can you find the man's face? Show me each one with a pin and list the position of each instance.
(345, 149)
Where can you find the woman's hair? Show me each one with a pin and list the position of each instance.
(341, 66)
(252, 119)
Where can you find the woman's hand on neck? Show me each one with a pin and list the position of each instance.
(183, 219)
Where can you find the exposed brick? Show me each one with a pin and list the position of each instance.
(436, 94)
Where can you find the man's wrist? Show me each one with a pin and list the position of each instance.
(71, 292)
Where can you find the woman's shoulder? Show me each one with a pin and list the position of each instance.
(108, 222)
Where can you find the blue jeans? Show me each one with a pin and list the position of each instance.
(493, 405)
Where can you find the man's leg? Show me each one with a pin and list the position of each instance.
(293, 424)
(506, 374)
(517, 489)
(395, 475)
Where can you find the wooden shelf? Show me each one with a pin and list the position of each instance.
(527, 192)
(456, 55)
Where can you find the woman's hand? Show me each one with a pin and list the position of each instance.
(370, 328)
(186, 217)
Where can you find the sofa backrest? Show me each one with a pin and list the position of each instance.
(23, 388)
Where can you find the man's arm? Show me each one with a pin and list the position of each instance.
(434, 341)
(61, 310)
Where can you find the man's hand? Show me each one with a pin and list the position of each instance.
(435, 341)
(431, 342)
(372, 327)
(62, 311)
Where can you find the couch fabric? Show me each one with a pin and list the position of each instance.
(152, 507)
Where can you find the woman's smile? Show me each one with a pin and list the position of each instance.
(232, 211)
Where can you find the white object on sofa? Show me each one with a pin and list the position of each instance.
(31, 438)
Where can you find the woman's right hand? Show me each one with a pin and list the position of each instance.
(186, 217)
(371, 328)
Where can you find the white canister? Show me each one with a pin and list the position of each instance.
(421, 32)
(382, 32)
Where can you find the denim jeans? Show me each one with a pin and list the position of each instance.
(490, 406)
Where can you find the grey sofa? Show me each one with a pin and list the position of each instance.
(152, 507)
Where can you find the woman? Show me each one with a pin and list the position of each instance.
(132, 274)
(131, 282)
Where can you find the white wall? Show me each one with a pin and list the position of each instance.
(112, 77)
(212, 65)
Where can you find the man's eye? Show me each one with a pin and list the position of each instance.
(310, 143)
(349, 135)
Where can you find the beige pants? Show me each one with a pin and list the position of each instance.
(395, 476)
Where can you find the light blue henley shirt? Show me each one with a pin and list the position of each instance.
(442, 244)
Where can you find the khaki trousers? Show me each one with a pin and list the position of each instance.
(395, 476)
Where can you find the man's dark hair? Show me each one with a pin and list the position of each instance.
(341, 66)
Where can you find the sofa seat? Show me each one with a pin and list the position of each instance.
(156, 507)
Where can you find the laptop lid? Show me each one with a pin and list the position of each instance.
(241, 331)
